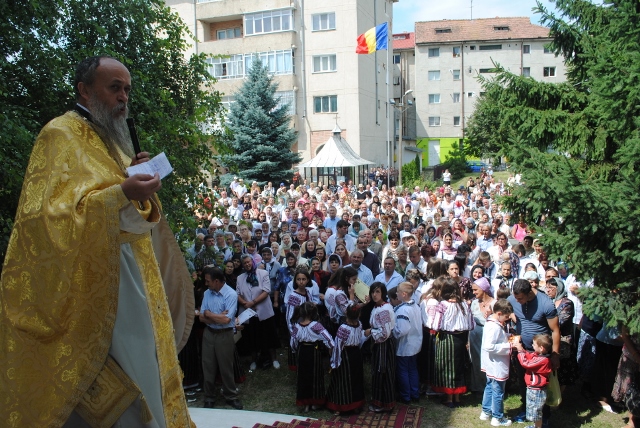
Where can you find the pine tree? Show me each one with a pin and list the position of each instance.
(577, 145)
(260, 135)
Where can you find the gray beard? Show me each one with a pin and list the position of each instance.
(111, 128)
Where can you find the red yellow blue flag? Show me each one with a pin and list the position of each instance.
(375, 39)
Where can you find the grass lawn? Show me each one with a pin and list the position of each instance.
(498, 175)
(274, 391)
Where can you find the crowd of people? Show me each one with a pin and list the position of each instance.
(441, 290)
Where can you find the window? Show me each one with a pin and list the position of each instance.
(549, 72)
(277, 62)
(268, 22)
(434, 52)
(485, 70)
(396, 80)
(456, 120)
(434, 75)
(456, 51)
(289, 98)
(396, 59)
(456, 97)
(324, 21)
(434, 98)
(230, 67)
(501, 28)
(328, 104)
(234, 66)
(472, 48)
(470, 94)
(324, 63)
(547, 50)
(490, 47)
(456, 74)
(526, 71)
(443, 30)
(526, 49)
(434, 120)
(231, 33)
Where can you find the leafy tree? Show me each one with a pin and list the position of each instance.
(456, 162)
(411, 172)
(577, 145)
(260, 136)
(172, 96)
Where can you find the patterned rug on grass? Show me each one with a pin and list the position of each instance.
(400, 417)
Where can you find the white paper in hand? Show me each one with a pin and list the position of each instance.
(159, 164)
(245, 315)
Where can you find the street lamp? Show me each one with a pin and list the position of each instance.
(401, 109)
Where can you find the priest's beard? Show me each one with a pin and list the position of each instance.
(111, 126)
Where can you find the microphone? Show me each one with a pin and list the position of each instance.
(131, 124)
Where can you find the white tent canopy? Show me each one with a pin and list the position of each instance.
(336, 152)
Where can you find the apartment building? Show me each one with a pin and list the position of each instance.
(309, 47)
(451, 54)
(404, 79)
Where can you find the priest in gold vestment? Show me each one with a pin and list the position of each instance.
(87, 330)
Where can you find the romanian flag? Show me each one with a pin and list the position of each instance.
(375, 39)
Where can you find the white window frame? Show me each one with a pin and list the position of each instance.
(271, 21)
(231, 67)
(433, 75)
(456, 97)
(277, 62)
(549, 72)
(236, 33)
(285, 97)
(434, 52)
(453, 73)
(526, 71)
(526, 49)
(324, 63)
(456, 50)
(317, 23)
(434, 98)
(396, 58)
(458, 120)
(434, 121)
(326, 100)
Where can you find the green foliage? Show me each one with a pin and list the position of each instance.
(259, 136)
(577, 145)
(411, 172)
(456, 162)
(171, 99)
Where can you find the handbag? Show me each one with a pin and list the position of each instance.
(554, 396)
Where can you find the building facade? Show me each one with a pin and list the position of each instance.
(309, 47)
(404, 80)
(451, 54)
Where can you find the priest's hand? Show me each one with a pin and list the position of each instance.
(141, 187)
(140, 158)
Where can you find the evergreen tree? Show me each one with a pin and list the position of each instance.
(171, 99)
(260, 136)
(577, 146)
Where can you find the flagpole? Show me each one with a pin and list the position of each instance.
(389, 107)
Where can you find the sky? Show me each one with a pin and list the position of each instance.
(407, 12)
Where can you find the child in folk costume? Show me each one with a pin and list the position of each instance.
(383, 350)
(408, 333)
(307, 336)
(339, 296)
(297, 297)
(452, 319)
(346, 387)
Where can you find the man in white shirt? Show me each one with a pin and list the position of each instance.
(342, 229)
(389, 277)
(416, 260)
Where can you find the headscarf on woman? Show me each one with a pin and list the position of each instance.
(483, 284)
(561, 291)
